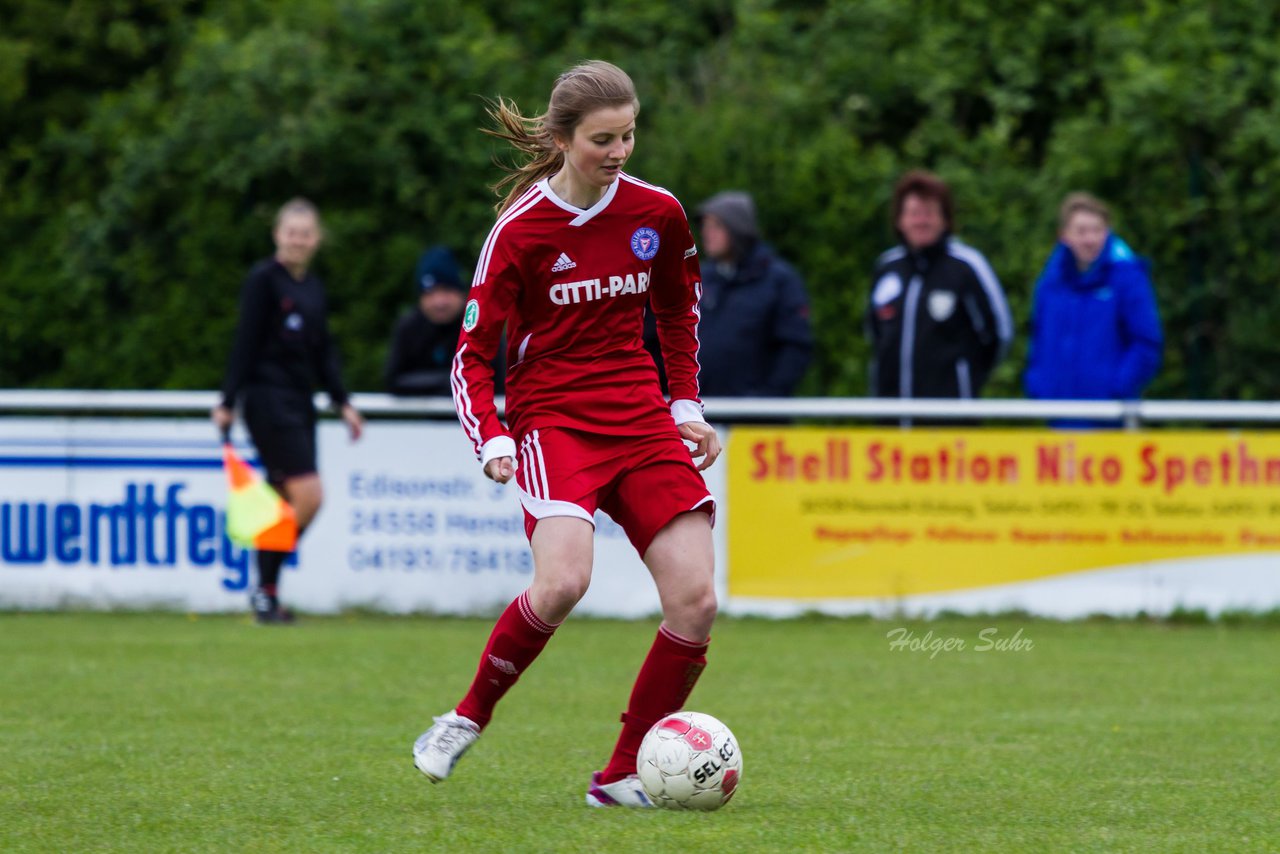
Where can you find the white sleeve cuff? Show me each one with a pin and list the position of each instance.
(684, 411)
(498, 446)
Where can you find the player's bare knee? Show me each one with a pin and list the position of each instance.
(705, 608)
(695, 612)
(563, 592)
(573, 589)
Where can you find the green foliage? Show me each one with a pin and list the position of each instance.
(144, 146)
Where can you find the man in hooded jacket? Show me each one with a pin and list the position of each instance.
(754, 334)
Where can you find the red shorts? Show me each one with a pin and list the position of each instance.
(642, 482)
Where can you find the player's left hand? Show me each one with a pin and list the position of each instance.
(704, 436)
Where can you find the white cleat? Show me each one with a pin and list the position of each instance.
(438, 749)
(627, 792)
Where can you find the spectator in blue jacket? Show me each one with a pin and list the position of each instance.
(1095, 329)
(754, 335)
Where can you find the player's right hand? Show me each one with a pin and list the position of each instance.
(500, 469)
(704, 437)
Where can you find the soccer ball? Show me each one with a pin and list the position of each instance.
(689, 761)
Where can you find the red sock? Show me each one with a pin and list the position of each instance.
(515, 642)
(666, 678)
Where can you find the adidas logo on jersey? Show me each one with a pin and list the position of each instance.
(564, 262)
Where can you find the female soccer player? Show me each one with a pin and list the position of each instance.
(281, 350)
(578, 251)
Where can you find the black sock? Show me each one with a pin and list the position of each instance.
(269, 564)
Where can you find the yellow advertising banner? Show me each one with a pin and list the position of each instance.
(847, 513)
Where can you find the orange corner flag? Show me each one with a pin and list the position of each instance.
(257, 517)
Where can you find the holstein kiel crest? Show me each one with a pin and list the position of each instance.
(644, 243)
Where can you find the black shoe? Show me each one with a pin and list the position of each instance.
(267, 609)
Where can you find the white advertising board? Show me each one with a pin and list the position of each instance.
(129, 513)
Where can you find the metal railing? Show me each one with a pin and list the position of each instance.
(1131, 413)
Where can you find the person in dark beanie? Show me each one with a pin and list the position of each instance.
(754, 334)
(425, 337)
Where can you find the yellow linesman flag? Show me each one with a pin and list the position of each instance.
(257, 517)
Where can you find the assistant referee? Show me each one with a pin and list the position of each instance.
(281, 353)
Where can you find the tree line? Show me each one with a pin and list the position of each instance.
(145, 145)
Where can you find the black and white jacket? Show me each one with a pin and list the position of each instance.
(938, 321)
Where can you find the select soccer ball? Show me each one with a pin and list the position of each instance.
(689, 761)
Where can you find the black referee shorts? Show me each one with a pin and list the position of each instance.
(282, 425)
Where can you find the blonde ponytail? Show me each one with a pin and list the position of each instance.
(532, 140)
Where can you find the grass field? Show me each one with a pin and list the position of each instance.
(146, 732)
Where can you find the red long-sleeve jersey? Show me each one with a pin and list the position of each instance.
(571, 285)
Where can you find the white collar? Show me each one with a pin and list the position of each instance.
(582, 216)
